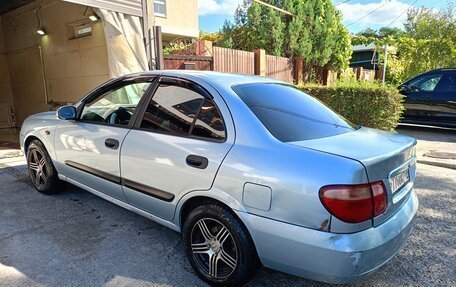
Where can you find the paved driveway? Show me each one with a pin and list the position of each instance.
(77, 239)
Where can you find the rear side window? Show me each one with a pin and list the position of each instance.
(209, 123)
(289, 114)
(184, 111)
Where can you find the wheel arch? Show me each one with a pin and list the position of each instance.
(232, 206)
(28, 139)
(194, 199)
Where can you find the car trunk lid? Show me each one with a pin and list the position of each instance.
(387, 157)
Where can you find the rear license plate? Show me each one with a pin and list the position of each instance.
(399, 180)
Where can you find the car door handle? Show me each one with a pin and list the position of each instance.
(112, 143)
(197, 161)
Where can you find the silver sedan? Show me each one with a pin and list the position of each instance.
(252, 171)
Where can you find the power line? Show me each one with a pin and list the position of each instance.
(386, 2)
(397, 18)
(342, 2)
(397, 6)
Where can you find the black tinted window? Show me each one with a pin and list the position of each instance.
(447, 83)
(172, 109)
(289, 114)
(426, 83)
(209, 123)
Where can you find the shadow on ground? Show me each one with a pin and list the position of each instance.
(77, 239)
(426, 133)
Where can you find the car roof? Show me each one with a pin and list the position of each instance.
(211, 77)
(430, 72)
(441, 70)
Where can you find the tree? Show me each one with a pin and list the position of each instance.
(368, 32)
(315, 33)
(390, 32)
(381, 33)
(429, 42)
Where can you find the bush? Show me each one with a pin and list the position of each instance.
(366, 104)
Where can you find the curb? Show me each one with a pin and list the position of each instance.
(438, 163)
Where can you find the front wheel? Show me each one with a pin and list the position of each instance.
(40, 168)
(219, 247)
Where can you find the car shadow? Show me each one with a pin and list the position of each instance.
(78, 239)
(428, 133)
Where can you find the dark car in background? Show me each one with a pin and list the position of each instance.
(430, 98)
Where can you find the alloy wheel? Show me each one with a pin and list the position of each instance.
(214, 248)
(38, 168)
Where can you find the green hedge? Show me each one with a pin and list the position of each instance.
(366, 104)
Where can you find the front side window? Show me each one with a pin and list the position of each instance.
(426, 83)
(183, 111)
(116, 106)
(289, 114)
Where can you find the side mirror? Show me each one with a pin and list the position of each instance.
(67, 113)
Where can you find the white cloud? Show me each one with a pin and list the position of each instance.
(224, 7)
(388, 11)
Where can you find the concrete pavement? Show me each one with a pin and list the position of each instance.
(77, 239)
(436, 146)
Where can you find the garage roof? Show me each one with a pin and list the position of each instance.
(9, 5)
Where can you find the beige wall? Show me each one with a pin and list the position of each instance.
(66, 69)
(5, 87)
(181, 19)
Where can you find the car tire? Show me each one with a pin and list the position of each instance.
(219, 247)
(41, 169)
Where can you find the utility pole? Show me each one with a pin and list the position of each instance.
(148, 24)
(384, 65)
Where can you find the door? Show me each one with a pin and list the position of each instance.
(28, 88)
(420, 96)
(444, 99)
(88, 149)
(176, 147)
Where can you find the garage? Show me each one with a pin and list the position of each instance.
(53, 52)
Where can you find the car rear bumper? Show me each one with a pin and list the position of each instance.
(330, 257)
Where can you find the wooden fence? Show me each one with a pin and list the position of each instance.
(280, 68)
(233, 61)
(203, 56)
(183, 62)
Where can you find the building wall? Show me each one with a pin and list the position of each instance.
(181, 19)
(6, 97)
(51, 68)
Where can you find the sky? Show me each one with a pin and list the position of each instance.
(357, 14)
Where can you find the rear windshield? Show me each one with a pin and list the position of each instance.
(290, 114)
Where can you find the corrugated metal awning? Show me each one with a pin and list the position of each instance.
(131, 7)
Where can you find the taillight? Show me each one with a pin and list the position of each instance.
(379, 197)
(354, 203)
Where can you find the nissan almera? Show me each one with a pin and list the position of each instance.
(252, 171)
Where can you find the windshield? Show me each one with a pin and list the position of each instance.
(290, 114)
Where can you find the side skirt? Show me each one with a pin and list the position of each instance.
(122, 204)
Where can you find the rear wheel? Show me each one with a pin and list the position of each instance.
(219, 247)
(40, 168)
